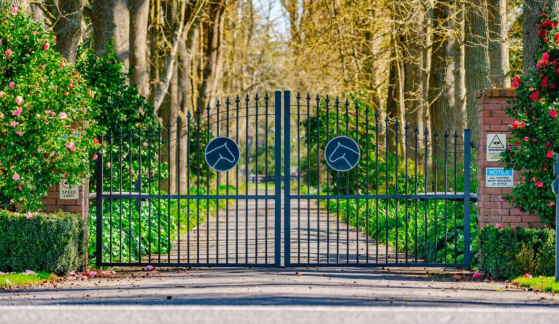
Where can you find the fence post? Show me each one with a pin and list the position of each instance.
(287, 175)
(99, 202)
(467, 156)
(277, 162)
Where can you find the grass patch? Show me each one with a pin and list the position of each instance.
(541, 284)
(8, 280)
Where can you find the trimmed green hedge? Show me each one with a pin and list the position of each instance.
(511, 252)
(53, 242)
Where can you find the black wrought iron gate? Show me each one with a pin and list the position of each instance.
(351, 189)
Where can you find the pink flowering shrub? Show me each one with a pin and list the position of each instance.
(532, 148)
(44, 110)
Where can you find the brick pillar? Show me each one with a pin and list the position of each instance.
(492, 119)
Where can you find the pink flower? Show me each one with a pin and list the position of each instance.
(517, 78)
(534, 140)
(1, 94)
(545, 57)
(96, 141)
(14, 123)
(544, 82)
(500, 198)
(527, 275)
(16, 177)
(9, 52)
(51, 154)
(498, 225)
(515, 84)
(17, 112)
(519, 210)
(108, 165)
(0, 42)
(19, 132)
(551, 203)
(477, 275)
(547, 145)
(539, 184)
(62, 116)
(62, 63)
(553, 113)
(535, 95)
(47, 122)
(15, 11)
(526, 138)
(12, 84)
(136, 67)
(149, 267)
(19, 100)
(95, 156)
(71, 146)
(549, 154)
(28, 216)
(46, 46)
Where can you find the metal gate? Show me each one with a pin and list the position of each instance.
(355, 190)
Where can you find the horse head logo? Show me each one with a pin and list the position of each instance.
(220, 154)
(342, 154)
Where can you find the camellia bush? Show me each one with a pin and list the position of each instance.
(535, 130)
(47, 127)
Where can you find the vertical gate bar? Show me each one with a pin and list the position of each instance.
(347, 181)
(247, 161)
(286, 179)
(99, 215)
(357, 176)
(426, 134)
(149, 192)
(327, 183)
(237, 100)
(387, 130)
(318, 177)
(467, 198)
(217, 190)
(298, 97)
(159, 199)
(406, 128)
(277, 171)
(139, 189)
(337, 187)
(111, 201)
(178, 189)
(227, 103)
(169, 190)
(416, 161)
(445, 192)
(266, 101)
(130, 166)
(188, 185)
(436, 180)
(376, 183)
(455, 201)
(208, 128)
(120, 191)
(367, 138)
(308, 177)
(198, 167)
(256, 177)
(397, 216)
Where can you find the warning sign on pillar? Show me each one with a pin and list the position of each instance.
(68, 191)
(496, 143)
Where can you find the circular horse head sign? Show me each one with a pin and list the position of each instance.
(342, 153)
(222, 154)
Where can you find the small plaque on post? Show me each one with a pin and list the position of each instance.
(498, 178)
(68, 191)
(496, 144)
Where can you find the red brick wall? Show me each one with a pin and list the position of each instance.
(53, 203)
(492, 119)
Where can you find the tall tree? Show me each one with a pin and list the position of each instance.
(498, 44)
(477, 59)
(67, 28)
(139, 14)
(459, 71)
(532, 11)
(111, 20)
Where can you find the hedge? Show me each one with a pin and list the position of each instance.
(53, 242)
(506, 253)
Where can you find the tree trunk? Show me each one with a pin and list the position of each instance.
(441, 83)
(139, 14)
(68, 28)
(477, 60)
(459, 74)
(498, 46)
(531, 41)
(111, 19)
(22, 4)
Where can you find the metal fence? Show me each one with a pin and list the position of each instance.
(284, 182)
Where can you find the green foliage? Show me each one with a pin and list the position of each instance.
(531, 149)
(541, 284)
(44, 106)
(156, 222)
(510, 252)
(10, 279)
(53, 243)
